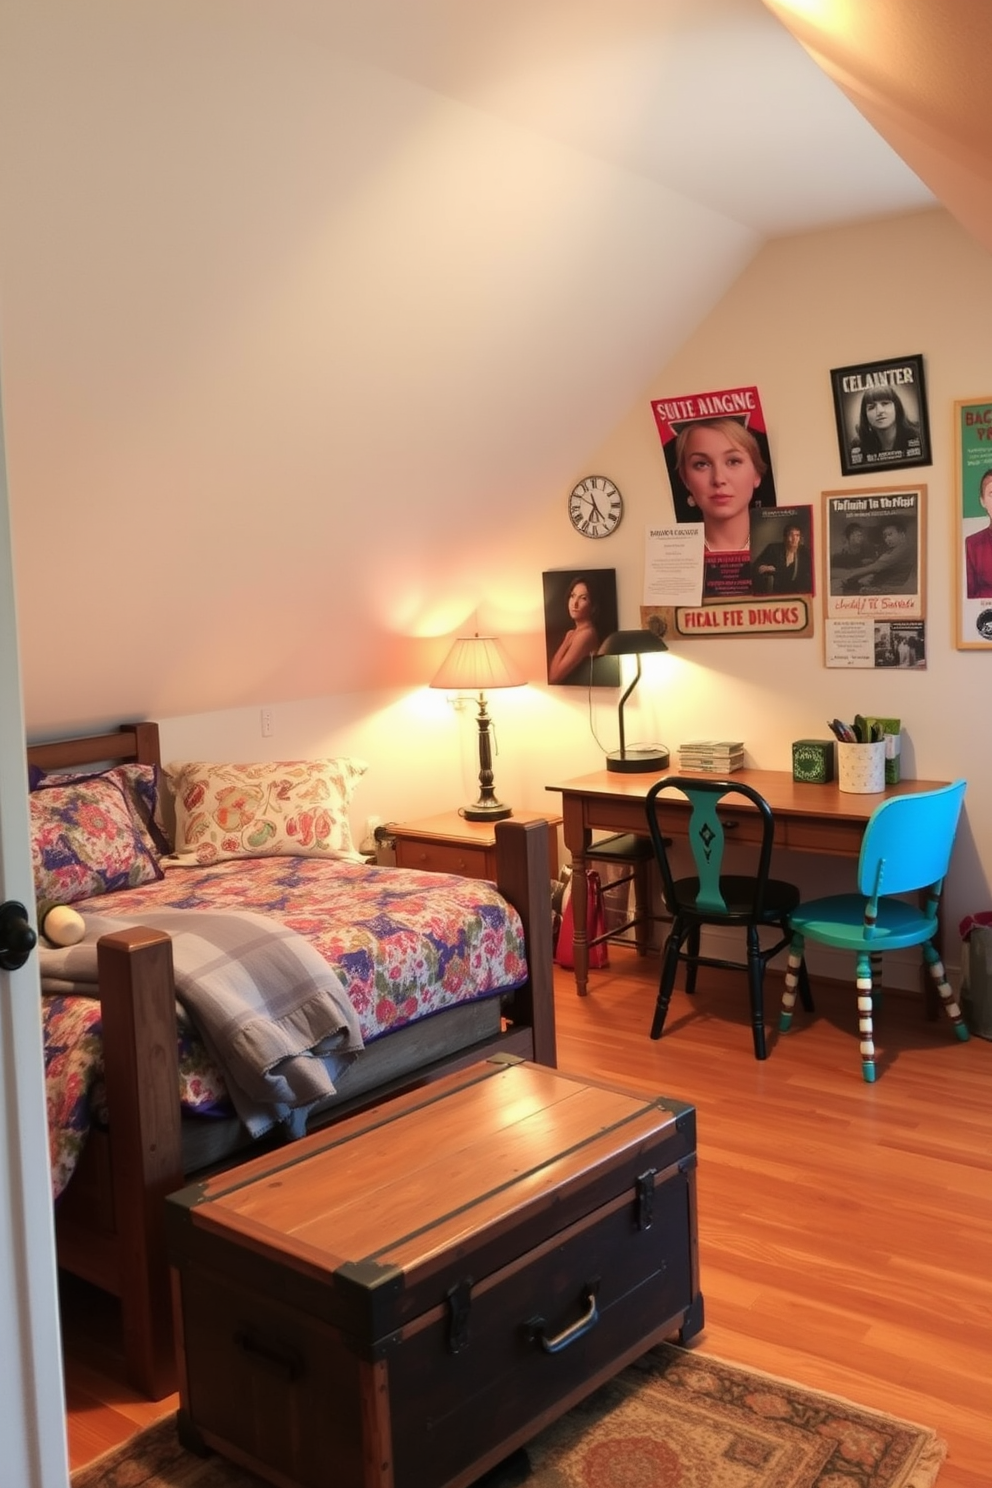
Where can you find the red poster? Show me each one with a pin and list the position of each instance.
(716, 439)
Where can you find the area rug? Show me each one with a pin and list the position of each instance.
(675, 1419)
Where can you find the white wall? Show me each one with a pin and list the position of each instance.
(806, 304)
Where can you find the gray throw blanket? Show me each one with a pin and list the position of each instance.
(271, 1012)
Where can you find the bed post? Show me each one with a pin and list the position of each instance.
(524, 876)
(137, 995)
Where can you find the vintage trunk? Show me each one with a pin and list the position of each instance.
(402, 1301)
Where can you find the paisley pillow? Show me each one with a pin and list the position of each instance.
(86, 839)
(296, 808)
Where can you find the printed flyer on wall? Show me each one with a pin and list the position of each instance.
(876, 643)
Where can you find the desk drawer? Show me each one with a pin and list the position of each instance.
(820, 835)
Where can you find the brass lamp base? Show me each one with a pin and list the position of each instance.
(485, 811)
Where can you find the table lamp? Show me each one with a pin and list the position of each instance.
(473, 665)
(638, 757)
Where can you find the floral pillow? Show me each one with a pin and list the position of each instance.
(141, 785)
(86, 838)
(297, 808)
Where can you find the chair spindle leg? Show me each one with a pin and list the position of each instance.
(755, 974)
(876, 980)
(953, 1008)
(666, 984)
(796, 951)
(864, 1018)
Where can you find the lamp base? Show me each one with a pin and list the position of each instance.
(486, 811)
(642, 757)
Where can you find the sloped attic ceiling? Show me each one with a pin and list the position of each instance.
(304, 305)
(917, 74)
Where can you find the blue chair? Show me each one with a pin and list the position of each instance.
(906, 848)
(711, 897)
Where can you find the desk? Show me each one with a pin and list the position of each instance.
(808, 818)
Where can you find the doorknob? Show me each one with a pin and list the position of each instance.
(17, 939)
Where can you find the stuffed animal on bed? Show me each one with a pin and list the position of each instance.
(60, 924)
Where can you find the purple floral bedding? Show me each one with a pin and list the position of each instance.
(405, 944)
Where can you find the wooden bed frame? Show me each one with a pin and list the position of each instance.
(110, 1220)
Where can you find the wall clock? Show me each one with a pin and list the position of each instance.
(595, 506)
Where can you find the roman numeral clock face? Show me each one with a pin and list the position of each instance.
(595, 506)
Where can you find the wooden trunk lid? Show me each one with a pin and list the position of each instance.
(364, 1222)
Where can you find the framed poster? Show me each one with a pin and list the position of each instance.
(973, 524)
(881, 413)
(580, 611)
(874, 577)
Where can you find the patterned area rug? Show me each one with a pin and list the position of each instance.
(675, 1419)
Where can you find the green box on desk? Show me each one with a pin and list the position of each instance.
(892, 729)
(813, 761)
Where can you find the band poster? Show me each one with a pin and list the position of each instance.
(874, 577)
(710, 413)
(730, 541)
(881, 413)
(973, 545)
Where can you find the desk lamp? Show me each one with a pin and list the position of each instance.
(638, 757)
(474, 664)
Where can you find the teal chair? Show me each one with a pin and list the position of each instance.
(710, 896)
(906, 848)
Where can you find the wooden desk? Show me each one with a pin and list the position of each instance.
(808, 818)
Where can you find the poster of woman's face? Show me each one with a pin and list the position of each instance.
(716, 453)
(580, 611)
(881, 413)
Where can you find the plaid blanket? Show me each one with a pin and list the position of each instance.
(270, 1010)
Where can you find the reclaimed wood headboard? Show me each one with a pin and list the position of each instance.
(132, 743)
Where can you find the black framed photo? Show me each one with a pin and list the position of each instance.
(882, 418)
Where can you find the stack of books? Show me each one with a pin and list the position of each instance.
(712, 756)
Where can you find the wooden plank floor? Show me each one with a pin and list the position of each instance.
(845, 1229)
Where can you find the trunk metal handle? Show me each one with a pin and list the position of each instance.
(536, 1327)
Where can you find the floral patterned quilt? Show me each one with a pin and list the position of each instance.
(405, 944)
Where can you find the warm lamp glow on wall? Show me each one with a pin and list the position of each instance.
(630, 759)
(477, 664)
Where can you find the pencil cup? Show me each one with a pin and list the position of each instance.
(861, 768)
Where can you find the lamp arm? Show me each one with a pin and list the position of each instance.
(637, 678)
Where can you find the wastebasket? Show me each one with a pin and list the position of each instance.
(976, 985)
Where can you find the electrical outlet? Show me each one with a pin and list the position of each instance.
(265, 718)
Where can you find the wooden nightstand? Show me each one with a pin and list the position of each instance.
(450, 844)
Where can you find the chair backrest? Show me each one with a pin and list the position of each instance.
(707, 837)
(908, 841)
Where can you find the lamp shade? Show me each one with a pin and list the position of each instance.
(477, 664)
(631, 643)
